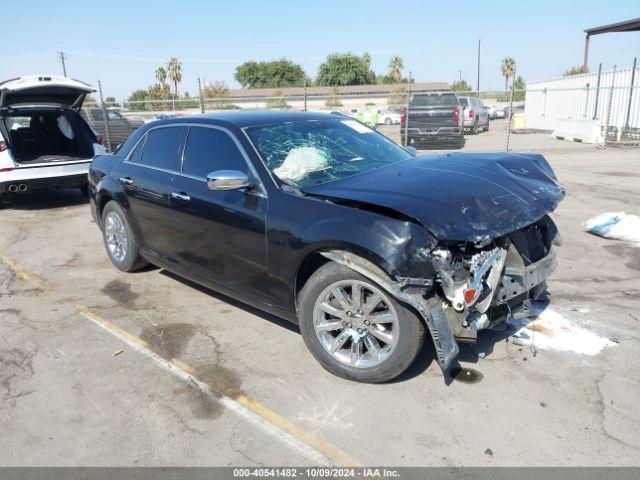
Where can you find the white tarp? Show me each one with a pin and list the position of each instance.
(616, 225)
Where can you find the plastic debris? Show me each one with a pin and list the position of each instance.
(550, 330)
(615, 225)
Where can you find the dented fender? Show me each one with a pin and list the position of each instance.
(428, 307)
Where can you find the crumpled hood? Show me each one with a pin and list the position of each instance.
(458, 196)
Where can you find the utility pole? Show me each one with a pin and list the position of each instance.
(64, 66)
(479, 40)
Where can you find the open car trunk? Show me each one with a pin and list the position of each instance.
(45, 135)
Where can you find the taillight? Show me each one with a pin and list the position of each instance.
(3, 146)
(456, 115)
(6, 169)
(403, 118)
(100, 139)
(471, 113)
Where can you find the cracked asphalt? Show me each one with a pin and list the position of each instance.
(73, 393)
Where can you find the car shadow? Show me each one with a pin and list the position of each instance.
(43, 199)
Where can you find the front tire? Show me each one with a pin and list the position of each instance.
(354, 328)
(119, 239)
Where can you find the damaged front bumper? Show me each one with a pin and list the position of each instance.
(466, 296)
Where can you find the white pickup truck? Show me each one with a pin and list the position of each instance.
(44, 142)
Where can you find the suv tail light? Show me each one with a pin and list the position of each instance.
(6, 169)
(471, 114)
(403, 118)
(456, 115)
(3, 145)
(100, 139)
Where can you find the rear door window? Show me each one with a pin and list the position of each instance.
(162, 147)
(210, 149)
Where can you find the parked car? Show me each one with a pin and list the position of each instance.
(322, 221)
(433, 120)
(475, 115)
(120, 127)
(389, 117)
(44, 142)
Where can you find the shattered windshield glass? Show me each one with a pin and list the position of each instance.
(311, 152)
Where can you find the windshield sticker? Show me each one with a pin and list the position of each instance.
(357, 126)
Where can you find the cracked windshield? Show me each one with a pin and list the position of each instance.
(308, 153)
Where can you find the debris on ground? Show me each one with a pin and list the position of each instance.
(550, 330)
(117, 352)
(615, 225)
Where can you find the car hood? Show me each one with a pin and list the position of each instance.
(458, 196)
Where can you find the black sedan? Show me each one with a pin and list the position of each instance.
(322, 221)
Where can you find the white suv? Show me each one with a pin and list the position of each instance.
(44, 142)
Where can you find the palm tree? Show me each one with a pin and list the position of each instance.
(395, 68)
(161, 75)
(508, 69)
(174, 69)
(366, 58)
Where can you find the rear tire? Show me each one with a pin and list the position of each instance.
(119, 239)
(372, 341)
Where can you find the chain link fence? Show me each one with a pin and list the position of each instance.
(600, 111)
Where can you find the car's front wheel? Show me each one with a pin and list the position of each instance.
(354, 328)
(119, 239)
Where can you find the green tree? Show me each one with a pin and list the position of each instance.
(161, 75)
(333, 100)
(461, 86)
(573, 71)
(395, 68)
(137, 96)
(278, 101)
(508, 68)
(345, 69)
(174, 72)
(275, 74)
(519, 87)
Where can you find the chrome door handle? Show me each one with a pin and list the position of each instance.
(181, 196)
(126, 181)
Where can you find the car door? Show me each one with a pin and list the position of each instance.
(221, 234)
(147, 176)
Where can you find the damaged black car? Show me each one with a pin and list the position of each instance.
(320, 220)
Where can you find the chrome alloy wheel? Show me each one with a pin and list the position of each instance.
(116, 236)
(356, 323)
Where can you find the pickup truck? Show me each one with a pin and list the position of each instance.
(433, 120)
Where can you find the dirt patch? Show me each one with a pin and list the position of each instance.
(626, 252)
(121, 293)
(169, 340)
(468, 375)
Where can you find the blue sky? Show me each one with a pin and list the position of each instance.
(435, 39)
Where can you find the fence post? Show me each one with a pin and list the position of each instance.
(107, 137)
(510, 111)
(606, 123)
(200, 96)
(305, 94)
(595, 108)
(405, 140)
(633, 78)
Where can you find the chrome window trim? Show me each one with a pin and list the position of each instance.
(261, 191)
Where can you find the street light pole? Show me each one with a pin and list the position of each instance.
(478, 84)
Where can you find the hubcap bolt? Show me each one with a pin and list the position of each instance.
(349, 314)
(359, 330)
(359, 312)
(367, 323)
(349, 325)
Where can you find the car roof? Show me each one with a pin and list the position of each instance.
(249, 118)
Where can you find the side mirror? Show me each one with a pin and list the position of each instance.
(227, 180)
(411, 150)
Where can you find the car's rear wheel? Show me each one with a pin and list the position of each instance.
(119, 239)
(354, 328)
